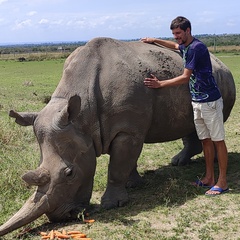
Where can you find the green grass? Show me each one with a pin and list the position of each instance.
(25, 85)
(166, 207)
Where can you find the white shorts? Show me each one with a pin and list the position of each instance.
(208, 119)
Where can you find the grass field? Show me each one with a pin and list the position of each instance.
(166, 207)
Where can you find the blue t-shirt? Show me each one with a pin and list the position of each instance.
(203, 87)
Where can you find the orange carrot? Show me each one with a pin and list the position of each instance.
(85, 238)
(60, 235)
(74, 232)
(64, 232)
(51, 235)
(89, 220)
(82, 238)
(43, 234)
(63, 236)
(45, 237)
(82, 235)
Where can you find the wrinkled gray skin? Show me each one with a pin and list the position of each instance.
(101, 106)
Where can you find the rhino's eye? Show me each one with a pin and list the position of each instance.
(68, 172)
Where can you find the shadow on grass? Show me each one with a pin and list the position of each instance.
(167, 186)
(173, 185)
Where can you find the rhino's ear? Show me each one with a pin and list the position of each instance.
(23, 119)
(71, 110)
(74, 106)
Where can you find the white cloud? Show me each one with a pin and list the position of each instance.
(231, 23)
(2, 20)
(86, 19)
(79, 23)
(43, 21)
(206, 13)
(22, 24)
(31, 13)
(57, 22)
(2, 1)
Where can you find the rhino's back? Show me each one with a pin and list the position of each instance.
(108, 76)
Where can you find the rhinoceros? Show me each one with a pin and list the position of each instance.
(101, 106)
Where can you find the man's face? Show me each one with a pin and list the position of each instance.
(180, 35)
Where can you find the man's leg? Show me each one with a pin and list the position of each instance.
(209, 153)
(222, 163)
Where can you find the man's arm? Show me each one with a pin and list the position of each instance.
(155, 83)
(165, 43)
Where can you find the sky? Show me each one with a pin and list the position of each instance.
(38, 21)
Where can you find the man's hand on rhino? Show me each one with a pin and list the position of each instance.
(147, 40)
(152, 82)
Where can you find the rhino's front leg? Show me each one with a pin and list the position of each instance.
(124, 153)
(192, 146)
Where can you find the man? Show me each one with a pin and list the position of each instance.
(206, 100)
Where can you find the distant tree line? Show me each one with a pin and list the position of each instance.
(68, 47)
(40, 47)
(218, 40)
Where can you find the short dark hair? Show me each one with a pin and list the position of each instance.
(180, 22)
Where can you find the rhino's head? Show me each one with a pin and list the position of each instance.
(64, 178)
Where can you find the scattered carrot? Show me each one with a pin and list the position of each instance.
(51, 235)
(82, 235)
(89, 220)
(82, 238)
(73, 232)
(85, 238)
(60, 235)
(43, 234)
(46, 237)
(54, 234)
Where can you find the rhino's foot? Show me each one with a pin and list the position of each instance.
(114, 197)
(184, 157)
(192, 146)
(181, 159)
(134, 179)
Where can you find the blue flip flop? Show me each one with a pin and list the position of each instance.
(199, 183)
(217, 189)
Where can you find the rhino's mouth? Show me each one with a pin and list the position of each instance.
(65, 212)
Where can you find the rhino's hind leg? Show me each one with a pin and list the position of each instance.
(125, 150)
(134, 179)
(192, 146)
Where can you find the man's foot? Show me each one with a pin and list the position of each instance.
(200, 183)
(215, 191)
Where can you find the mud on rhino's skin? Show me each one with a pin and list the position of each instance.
(102, 106)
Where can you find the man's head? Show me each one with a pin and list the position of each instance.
(180, 22)
(181, 29)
